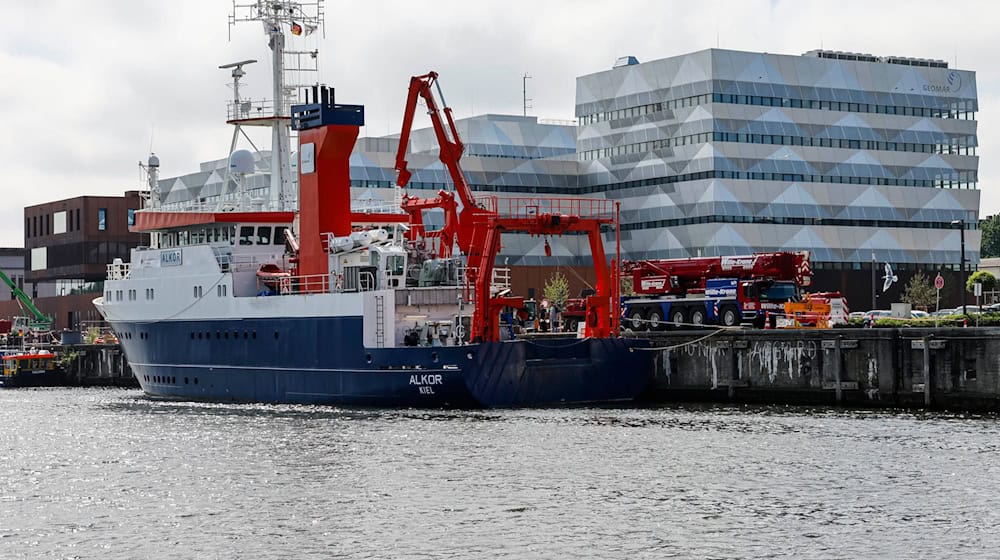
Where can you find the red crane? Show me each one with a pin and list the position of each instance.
(479, 226)
(450, 153)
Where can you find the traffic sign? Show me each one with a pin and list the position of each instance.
(939, 282)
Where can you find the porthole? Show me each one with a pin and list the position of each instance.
(195, 380)
(468, 355)
(434, 357)
(368, 358)
(276, 335)
(199, 335)
(254, 335)
(185, 380)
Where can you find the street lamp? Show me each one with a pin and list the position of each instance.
(874, 305)
(961, 230)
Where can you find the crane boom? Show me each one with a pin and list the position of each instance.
(450, 153)
(41, 320)
(450, 145)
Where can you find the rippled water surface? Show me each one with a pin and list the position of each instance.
(113, 474)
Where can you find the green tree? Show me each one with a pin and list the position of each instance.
(557, 289)
(920, 292)
(627, 287)
(990, 228)
(988, 281)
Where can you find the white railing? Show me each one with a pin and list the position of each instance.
(561, 122)
(255, 109)
(242, 263)
(376, 207)
(499, 282)
(319, 284)
(119, 270)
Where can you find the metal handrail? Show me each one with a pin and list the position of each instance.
(530, 207)
(119, 270)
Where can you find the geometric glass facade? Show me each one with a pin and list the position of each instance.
(853, 157)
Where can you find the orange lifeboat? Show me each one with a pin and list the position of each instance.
(271, 275)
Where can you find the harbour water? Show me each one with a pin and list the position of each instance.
(109, 473)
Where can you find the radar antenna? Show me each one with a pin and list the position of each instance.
(279, 17)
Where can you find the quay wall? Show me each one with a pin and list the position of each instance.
(94, 364)
(953, 368)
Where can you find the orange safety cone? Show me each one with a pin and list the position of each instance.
(965, 322)
(767, 320)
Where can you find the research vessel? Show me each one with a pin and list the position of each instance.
(313, 302)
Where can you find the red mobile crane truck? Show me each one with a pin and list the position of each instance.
(714, 290)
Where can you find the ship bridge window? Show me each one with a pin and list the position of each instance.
(263, 235)
(279, 235)
(246, 235)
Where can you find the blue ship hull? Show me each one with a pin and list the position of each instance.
(322, 360)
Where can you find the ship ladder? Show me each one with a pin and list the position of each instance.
(380, 321)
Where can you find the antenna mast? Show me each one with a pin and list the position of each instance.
(524, 92)
(287, 67)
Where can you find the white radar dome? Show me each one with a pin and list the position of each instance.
(153, 161)
(241, 161)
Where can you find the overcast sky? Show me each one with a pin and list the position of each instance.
(87, 87)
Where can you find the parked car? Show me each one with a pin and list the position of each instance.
(943, 312)
(918, 314)
(970, 309)
(877, 313)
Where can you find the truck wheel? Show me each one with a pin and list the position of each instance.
(729, 316)
(635, 320)
(571, 325)
(677, 317)
(698, 316)
(655, 320)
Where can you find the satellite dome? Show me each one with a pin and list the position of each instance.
(153, 161)
(241, 161)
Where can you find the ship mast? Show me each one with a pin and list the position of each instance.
(288, 67)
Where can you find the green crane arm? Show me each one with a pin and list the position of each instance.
(24, 299)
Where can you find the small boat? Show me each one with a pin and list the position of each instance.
(31, 368)
(271, 275)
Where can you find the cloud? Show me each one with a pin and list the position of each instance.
(85, 86)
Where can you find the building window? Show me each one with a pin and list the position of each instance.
(131, 217)
(102, 219)
(78, 222)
